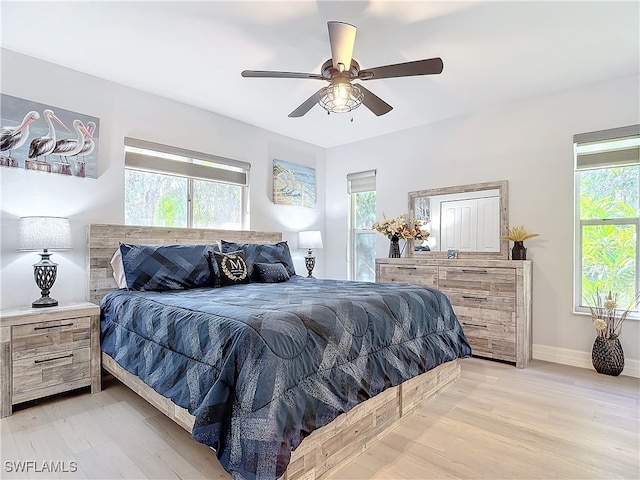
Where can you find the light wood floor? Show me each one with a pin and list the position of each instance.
(546, 421)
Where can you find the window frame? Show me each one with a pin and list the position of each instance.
(604, 162)
(359, 182)
(194, 166)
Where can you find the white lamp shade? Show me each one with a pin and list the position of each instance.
(38, 233)
(310, 239)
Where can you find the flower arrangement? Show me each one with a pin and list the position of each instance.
(518, 234)
(401, 227)
(606, 316)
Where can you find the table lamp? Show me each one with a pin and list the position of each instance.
(310, 239)
(44, 233)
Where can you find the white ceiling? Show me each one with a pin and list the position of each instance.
(193, 52)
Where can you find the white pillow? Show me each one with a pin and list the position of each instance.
(118, 269)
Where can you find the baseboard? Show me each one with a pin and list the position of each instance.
(577, 358)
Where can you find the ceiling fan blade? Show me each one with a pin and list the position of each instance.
(270, 74)
(430, 66)
(306, 105)
(374, 103)
(342, 36)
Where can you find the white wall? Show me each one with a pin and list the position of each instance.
(125, 112)
(528, 143)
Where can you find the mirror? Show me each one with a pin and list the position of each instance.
(467, 218)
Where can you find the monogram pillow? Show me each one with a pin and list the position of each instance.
(232, 267)
(262, 253)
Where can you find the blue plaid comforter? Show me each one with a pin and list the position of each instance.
(262, 365)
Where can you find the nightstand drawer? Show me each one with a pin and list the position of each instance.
(41, 375)
(43, 338)
(45, 351)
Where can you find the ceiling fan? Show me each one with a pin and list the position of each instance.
(341, 69)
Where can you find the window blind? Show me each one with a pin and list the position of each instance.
(361, 181)
(615, 147)
(155, 157)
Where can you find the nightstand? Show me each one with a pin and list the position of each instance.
(50, 350)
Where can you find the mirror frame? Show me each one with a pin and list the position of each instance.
(503, 188)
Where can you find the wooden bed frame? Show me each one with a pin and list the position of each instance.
(326, 448)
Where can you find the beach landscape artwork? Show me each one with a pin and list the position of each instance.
(48, 139)
(294, 185)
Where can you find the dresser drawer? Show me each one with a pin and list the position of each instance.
(491, 333)
(482, 346)
(44, 338)
(426, 276)
(41, 375)
(480, 301)
(494, 281)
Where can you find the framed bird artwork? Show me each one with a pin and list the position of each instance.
(47, 139)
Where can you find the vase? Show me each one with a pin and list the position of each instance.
(519, 251)
(607, 356)
(394, 247)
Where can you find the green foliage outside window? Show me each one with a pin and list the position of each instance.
(609, 210)
(170, 210)
(155, 199)
(364, 242)
(217, 204)
(365, 211)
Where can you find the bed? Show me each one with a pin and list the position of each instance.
(284, 379)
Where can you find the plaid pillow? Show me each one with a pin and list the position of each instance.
(166, 267)
(262, 253)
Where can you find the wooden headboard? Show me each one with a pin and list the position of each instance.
(103, 240)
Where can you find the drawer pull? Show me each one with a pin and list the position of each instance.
(406, 268)
(465, 270)
(474, 325)
(53, 326)
(475, 299)
(54, 358)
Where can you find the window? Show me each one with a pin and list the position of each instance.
(362, 241)
(172, 187)
(607, 186)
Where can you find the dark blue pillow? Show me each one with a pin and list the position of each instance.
(262, 253)
(271, 272)
(166, 267)
(231, 267)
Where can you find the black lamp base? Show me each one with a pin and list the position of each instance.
(45, 273)
(310, 263)
(45, 302)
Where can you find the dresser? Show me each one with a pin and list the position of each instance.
(44, 351)
(491, 298)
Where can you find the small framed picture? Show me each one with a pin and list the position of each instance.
(452, 253)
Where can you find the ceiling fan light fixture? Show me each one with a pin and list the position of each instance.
(341, 96)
